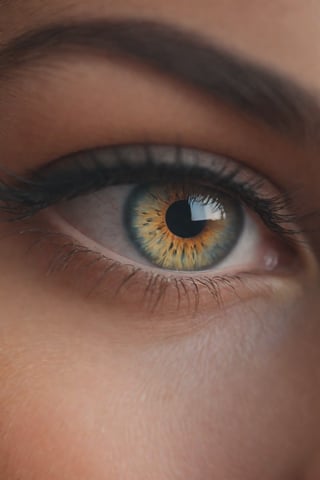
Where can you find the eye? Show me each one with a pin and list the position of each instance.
(161, 214)
(180, 227)
(185, 219)
(183, 227)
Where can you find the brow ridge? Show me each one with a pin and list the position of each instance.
(249, 87)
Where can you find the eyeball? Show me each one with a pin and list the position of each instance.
(183, 227)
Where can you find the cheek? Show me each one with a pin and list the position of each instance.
(83, 401)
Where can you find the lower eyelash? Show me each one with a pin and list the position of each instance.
(108, 279)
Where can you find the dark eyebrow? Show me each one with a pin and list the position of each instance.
(249, 87)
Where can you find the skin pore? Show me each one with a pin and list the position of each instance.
(100, 386)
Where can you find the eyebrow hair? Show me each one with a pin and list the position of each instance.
(251, 88)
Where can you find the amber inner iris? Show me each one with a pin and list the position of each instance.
(183, 227)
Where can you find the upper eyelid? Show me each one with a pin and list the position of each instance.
(84, 171)
(134, 155)
(116, 157)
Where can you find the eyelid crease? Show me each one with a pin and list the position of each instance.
(23, 197)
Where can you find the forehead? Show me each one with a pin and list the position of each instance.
(282, 33)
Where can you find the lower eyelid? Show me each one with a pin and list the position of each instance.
(123, 286)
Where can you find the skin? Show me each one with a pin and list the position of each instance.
(105, 389)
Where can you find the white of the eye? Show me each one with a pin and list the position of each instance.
(99, 217)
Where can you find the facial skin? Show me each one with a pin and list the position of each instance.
(94, 388)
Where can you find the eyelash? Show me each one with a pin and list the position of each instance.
(21, 198)
(24, 197)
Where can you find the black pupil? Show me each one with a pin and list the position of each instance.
(179, 220)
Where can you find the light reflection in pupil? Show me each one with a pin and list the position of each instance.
(179, 220)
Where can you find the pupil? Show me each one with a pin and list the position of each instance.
(179, 220)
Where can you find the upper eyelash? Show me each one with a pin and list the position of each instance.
(23, 197)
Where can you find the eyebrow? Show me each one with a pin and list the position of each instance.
(249, 87)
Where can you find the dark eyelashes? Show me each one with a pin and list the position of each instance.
(68, 255)
(24, 197)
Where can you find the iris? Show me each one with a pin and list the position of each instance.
(183, 227)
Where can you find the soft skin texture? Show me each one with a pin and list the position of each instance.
(102, 389)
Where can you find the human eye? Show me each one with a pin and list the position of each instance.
(161, 227)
